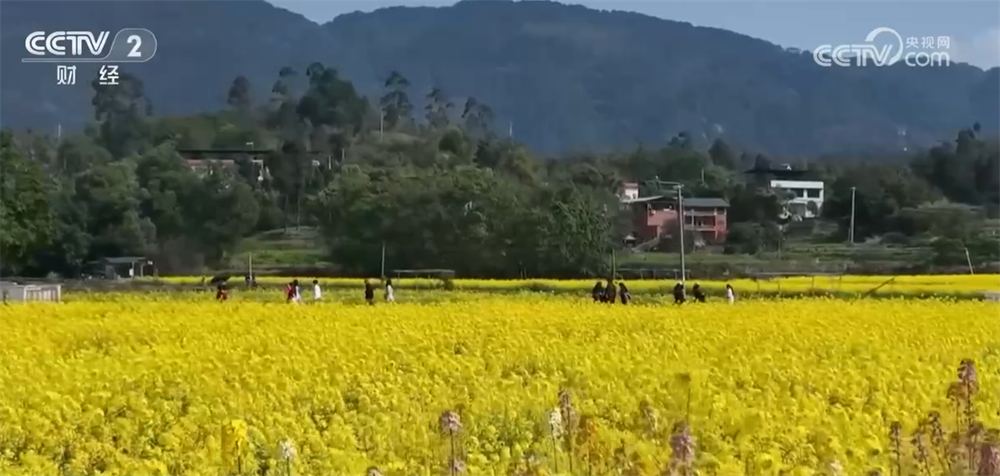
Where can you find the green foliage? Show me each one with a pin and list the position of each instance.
(751, 238)
(26, 219)
(438, 191)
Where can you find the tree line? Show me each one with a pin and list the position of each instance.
(444, 187)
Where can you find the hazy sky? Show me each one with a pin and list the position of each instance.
(973, 26)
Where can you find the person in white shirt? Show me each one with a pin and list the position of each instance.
(389, 296)
(317, 292)
(730, 295)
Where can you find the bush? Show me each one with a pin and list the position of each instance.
(895, 238)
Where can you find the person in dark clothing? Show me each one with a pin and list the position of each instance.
(623, 293)
(369, 293)
(698, 294)
(598, 292)
(679, 294)
(609, 292)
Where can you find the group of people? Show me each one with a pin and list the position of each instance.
(699, 295)
(370, 292)
(601, 293)
(293, 294)
(606, 293)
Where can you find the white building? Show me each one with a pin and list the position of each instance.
(803, 194)
(629, 191)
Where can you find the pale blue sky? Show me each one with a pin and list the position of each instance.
(973, 26)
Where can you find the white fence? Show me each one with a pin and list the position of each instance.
(30, 292)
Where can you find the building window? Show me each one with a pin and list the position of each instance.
(813, 193)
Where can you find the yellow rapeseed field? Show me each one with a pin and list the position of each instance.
(925, 284)
(491, 384)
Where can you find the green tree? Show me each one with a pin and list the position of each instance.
(228, 213)
(478, 118)
(122, 111)
(108, 194)
(239, 96)
(395, 103)
(438, 109)
(28, 223)
(722, 155)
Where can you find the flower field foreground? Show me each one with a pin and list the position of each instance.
(926, 284)
(534, 384)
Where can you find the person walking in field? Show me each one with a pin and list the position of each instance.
(679, 294)
(597, 292)
(369, 293)
(730, 294)
(317, 292)
(610, 292)
(698, 294)
(292, 292)
(623, 293)
(221, 294)
(390, 295)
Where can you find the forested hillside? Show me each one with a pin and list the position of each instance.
(566, 78)
(435, 184)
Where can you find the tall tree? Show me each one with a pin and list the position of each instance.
(438, 109)
(239, 96)
(722, 155)
(122, 112)
(395, 103)
(478, 118)
(28, 223)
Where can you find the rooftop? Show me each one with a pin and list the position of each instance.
(121, 260)
(693, 202)
(706, 202)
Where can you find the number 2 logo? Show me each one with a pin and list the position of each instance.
(136, 41)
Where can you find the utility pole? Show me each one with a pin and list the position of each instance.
(680, 216)
(383, 259)
(851, 232)
(510, 129)
(381, 124)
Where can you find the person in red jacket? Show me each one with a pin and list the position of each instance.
(221, 294)
(292, 292)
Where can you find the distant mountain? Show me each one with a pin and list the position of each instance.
(566, 77)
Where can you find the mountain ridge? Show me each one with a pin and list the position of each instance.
(568, 77)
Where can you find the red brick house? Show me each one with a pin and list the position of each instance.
(656, 216)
